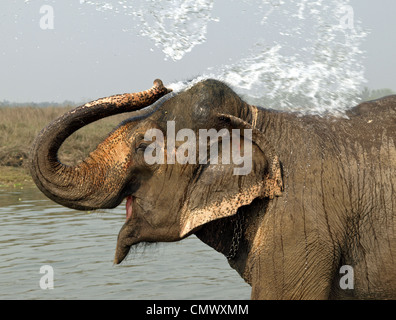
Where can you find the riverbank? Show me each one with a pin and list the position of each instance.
(20, 125)
(15, 177)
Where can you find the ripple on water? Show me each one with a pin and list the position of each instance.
(80, 248)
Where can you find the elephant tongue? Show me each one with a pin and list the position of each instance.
(129, 207)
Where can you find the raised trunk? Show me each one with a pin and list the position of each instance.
(78, 186)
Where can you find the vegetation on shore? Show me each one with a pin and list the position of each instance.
(20, 124)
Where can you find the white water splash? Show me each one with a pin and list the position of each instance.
(313, 64)
(175, 26)
(316, 64)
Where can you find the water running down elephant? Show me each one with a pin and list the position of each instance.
(320, 193)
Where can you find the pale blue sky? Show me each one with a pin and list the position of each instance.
(88, 55)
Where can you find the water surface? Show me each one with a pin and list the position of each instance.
(79, 246)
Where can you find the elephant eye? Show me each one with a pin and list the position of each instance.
(142, 146)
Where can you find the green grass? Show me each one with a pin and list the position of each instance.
(20, 125)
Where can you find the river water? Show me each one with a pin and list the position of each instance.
(79, 246)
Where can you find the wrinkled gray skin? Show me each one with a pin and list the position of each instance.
(338, 205)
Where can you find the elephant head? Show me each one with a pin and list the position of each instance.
(173, 197)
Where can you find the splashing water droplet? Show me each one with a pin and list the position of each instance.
(175, 26)
(314, 66)
(308, 59)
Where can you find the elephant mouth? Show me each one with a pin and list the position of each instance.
(128, 207)
(126, 236)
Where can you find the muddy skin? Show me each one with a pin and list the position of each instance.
(320, 195)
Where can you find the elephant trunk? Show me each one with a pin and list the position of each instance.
(87, 185)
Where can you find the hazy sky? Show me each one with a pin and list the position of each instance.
(90, 54)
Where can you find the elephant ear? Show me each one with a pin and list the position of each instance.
(217, 191)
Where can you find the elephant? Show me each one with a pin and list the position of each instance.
(313, 218)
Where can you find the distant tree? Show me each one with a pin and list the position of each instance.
(367, 94)
(66, 103)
